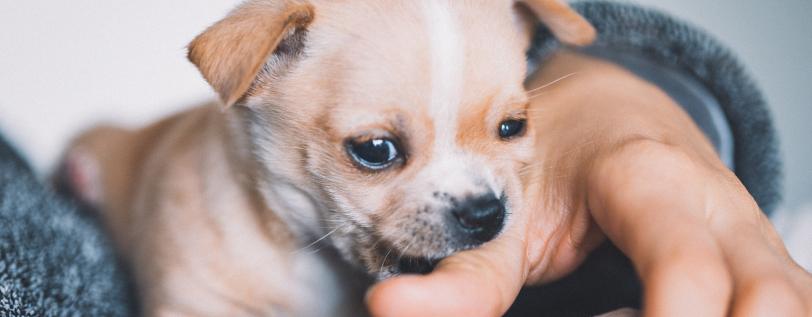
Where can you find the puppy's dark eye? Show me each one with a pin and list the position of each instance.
(511, 128)
(374, 154)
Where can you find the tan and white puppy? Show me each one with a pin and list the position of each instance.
(394, 131)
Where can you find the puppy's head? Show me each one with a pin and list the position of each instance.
(396, 128)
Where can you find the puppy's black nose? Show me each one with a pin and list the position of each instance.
(480, 217)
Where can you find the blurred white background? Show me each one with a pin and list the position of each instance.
(65, 65)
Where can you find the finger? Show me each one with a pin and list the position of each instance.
(683, 272)
(646, 197)
(479, 282)
(766, 282)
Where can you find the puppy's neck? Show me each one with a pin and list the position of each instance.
(285, 206)
(295, 207)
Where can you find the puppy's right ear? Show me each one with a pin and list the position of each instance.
(231, 53)
(564, 22)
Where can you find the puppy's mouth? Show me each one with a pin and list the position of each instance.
(416, 265)
(392, 266)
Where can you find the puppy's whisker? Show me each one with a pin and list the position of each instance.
(536, 95)
(537, 110)
(530, 167)
(385, 257)
(377, 241)
(383, 263)
(319, 239)
(551, 83)
(406, 249)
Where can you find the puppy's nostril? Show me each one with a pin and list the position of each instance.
(482, 217)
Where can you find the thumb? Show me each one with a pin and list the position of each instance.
(479, 282)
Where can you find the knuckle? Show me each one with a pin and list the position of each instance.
(695, 272)
(766, 287)
(703, 282)
(643, 152)
(769, 294)
(647, 164)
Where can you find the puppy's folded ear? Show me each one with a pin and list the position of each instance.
(566, 24)
(231, 53)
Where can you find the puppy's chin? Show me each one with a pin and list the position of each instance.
(415, 245)
(416, 265)
(381, 260)
(390, 262)
(407, 265)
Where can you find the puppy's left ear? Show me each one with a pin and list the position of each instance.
(566, 24)
(231, 53)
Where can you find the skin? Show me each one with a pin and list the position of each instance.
(611, 150)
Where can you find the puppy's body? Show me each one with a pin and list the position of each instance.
(196, 233)
(395, 130)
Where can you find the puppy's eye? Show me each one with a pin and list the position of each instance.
(374, 154)
(511, 128)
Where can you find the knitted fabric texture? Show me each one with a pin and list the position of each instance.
(54, 260)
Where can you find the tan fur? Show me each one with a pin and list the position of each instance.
(231, 52)
(181, 165)
(567, 25)
(212, 208)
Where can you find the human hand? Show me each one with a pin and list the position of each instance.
(618, 159)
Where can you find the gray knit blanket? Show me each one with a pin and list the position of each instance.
(54, 260)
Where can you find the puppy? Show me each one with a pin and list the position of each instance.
(390, 132)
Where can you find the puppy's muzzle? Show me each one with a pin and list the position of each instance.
(469, 222)
(479, 218)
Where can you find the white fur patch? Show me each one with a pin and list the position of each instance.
(452, 170)
(449, 169)
(447, 58)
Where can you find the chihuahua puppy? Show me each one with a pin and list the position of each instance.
(393, 132)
